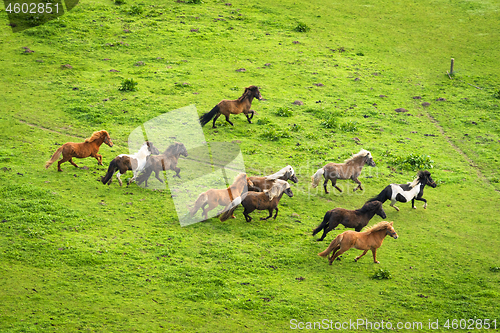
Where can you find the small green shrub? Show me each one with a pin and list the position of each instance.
(411, 162)
(497, 94)
(382, 274)
(350, 126)
(136, 10)
(195, 2)
(295, 128)
(302, 27)
(263, 121)
(274, 134)
(120, 2)
(330, 122)
(284, 112)
(128, 85)
(495, 269)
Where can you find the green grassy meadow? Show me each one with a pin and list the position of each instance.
(76, 255)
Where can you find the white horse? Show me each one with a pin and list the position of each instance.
(124, 162)
(264, 183)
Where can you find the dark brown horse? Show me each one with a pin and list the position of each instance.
(266, 200)
(265, 183)
(166, 161)
(237, 106)
(350, 169)
(81, 149)
(357, 219)
(370, 239)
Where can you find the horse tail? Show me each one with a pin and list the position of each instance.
(202, 199)
(209, 115)
(111, 170)
(229, 210)
(54, 157)
(333, 245)
(317, 177)
(323, 224)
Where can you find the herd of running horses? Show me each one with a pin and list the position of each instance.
(262, 193)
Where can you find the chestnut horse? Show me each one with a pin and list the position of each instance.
(367, 240)
(265, 183)
(166, 161)
(124, 162)
(406, 192)
(350, 169)
(267, 200)
(223, 197)
(237, 106)
(89, 147)
(357, 219)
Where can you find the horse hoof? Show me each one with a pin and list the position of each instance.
(376, 262)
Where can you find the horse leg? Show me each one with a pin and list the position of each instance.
(215, 118)
(419, 199)
(177, 171)
(64, 159)
(98, 157)
(270, 214)
(337, 253)
(229, 121)
(73, 163)
(324, 185)
(334, 184)
(249, 118)
(118, 174)
(374, 251)
(393, 205)
(252, 112)
(276, 213)
(358, 257)
(356, 180)
(329, 227)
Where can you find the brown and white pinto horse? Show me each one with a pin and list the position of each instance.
(265, 183)
(124, 162)
(237, 106)
(81, 149)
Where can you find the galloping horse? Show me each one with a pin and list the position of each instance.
(81, 150)
(266, 200)
(223, 197)
(405, 192)
(367, 240)
(264, 183)
(350, 169)
(237, 106)
(166, 161)
(357, 219)
(125, 162)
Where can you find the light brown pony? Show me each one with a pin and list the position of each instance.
(237, 106)
(265, 183)
(166, 161)
(367, 240)
(223, 197)
(81, 150)
(350, 169)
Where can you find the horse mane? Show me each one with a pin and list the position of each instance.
(248, 91)
(238, 179)
(368, 206)
(280, 173)
(277, 189)
(173, 148)
(362, 153)
(379, 226)
(96, 135)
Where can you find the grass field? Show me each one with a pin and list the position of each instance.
(76, 255)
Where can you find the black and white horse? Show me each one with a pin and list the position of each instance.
(406, 192)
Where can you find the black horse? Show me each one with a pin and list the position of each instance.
(406, 192)
(357, 219)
